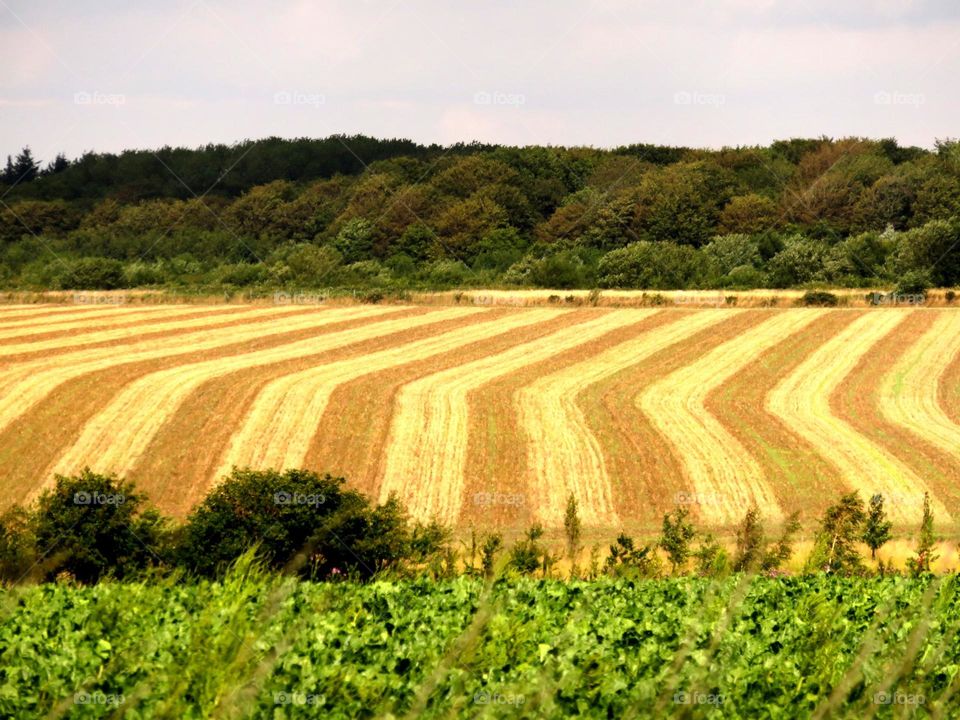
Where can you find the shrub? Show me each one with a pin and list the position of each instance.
(303, 523)
(280, 511)
(92, 273)
(914, 282)
(528, 555)
(648, 265)
(819, 298)
(447, 272)
(91, 526)
(801, 260)
(16, 545)
(562, 270)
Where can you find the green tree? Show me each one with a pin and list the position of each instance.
(25, 168)
(778, 553)
(625, 559)
(749, 214)
(841, 527)
(711, 558)
(17, 545)
(750, 542)
(675, 537)
(92, 526)
(876, 529)
(279, 511)
(926, 554)
(650, 266)
(572, 529)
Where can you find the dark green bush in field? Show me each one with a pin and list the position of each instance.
(92, 274)
(302, 522)
(280, 511)
(819, 298)
(92, 526)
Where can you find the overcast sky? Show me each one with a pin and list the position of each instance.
(113, 74)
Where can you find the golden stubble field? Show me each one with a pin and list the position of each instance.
(491, 416)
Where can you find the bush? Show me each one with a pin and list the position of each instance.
(306, 264)
(280, 511)
(447, 272)
(139, 273)
(648, 265)
(92, 273)
(745, 277)
(241, 274)
(91, 526)
(914, 282)
(819, 298)
(800, 261)
(16, 545)
(301, 522)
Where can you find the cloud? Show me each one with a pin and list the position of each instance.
(600, 72)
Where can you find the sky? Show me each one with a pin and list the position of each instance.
(108, 75)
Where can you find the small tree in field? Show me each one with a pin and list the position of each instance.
(711, 559)
(676, 536)
(876, 531)
(749, 542)
(776, 554)
(93, 526)
(488, 553)
(572, 529)
(835, 548)
(920, 565)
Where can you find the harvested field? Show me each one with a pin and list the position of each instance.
(494, 416)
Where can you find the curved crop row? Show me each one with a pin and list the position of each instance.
(563, 454)
(426, 452)
(724, 475)
(116, 438)
(283, 420)
(802, 400)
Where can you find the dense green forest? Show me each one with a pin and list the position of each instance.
(357, 212)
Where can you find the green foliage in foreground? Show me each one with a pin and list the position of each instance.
(260, 646)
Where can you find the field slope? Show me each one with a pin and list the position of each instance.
(495, 415)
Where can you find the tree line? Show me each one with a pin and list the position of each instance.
(92, 526)
(392, 215)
